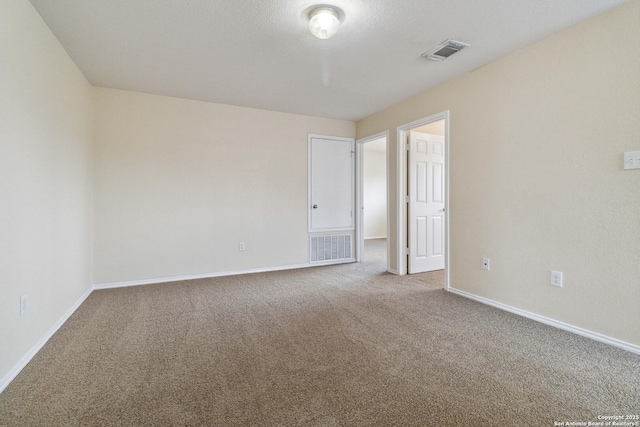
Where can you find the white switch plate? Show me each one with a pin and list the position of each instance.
(242, 246)
(486, 264)
(632, 160)
(556, 278)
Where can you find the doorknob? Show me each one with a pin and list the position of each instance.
(315, 206)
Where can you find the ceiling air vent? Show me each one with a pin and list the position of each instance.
(444, 50)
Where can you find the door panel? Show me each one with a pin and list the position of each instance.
(421, 182)
(331, 184)
(437, 183)
(437, 235)
(426, 202)
(421, 230)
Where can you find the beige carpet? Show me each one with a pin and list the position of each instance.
(343, 345)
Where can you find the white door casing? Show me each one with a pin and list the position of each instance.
(331, 183)
(426, 216)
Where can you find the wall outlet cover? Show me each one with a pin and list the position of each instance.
(556, 278)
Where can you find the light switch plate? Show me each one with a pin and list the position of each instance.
(632, 160)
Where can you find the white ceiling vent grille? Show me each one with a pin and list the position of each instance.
(330, 248)
(444, 50)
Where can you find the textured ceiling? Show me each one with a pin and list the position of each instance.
(259, 53)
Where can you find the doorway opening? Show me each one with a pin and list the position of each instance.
(372, 204)
(423, 196)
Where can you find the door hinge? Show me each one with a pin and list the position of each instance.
(406, 147)
(406, 251)
(406, 199)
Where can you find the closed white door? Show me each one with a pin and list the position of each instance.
(331, 183)
(426, 202)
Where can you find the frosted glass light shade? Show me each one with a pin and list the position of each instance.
(323, 22)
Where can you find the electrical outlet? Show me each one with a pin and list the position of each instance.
(632, 160)
(556, 278)
(23, 304)
(242, 246)
(486, 264)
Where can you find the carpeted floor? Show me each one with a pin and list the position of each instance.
(345, 345)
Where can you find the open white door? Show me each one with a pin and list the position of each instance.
(426, 226)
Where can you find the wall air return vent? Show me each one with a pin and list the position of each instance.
(444, 50)
(330, 249)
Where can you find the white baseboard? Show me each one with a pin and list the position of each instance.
(211, 275)
(551, 322)
(379, 237)
(342, 261)
(36, 348)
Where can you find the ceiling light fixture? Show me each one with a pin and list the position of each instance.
(324, 22)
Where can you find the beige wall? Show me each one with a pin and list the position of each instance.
(536, 174)
(179, 183)
(435, 128)
(45, 181)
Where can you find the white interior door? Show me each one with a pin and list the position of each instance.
(331, 183)
(426, 202)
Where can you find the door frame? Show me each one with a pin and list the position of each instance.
(401, 190)
(360, 196)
